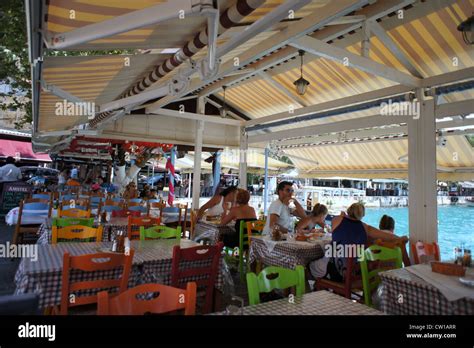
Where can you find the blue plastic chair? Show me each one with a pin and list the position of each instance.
(67, 197)
(41, 196)
(95, 201)
(111, 208)
(139, 208)
(117, 199)
(27, 207)
(136, 200)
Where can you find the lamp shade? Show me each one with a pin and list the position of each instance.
(301, 85)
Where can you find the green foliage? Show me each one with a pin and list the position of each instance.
(14, 64)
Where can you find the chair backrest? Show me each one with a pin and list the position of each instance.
(423, 252)
(44, 195)
(134, 224)
(74, 212)
(370, 279)
(160, 232)
(136, 301)
(92, 263)
(156, 205)
(68, 197)
(75, 203)
(117, 199)
(110, 206)
(394, 244)
(76, 233)
(135, 200)
(272, 278)
(139, 208)
(193, 222)
(63, 222)
(254, 228)
(183, 215)
(199, 262)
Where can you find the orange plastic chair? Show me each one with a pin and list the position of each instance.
(420, 249)
(256, 226)
(169, 299)
(76, 232)
(134, 224)
(75, 213)
(92, 263)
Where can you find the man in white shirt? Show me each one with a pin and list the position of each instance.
(279, 211)
(74, 172)
(10, 172)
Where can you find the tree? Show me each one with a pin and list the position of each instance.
(14, 64)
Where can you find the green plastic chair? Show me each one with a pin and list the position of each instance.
(285, 278)
(64, 222)
(370, 280)
(157, 232)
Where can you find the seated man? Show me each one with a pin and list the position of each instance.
(279, 212)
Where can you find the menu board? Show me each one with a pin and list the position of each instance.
(12, 194)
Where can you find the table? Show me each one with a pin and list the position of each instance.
(110, 228)
(313, 303)
(12, 217)
(286, 254)
(405, 293)
(151, 263)
(212, 232)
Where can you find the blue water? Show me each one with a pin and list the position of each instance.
(455, 225)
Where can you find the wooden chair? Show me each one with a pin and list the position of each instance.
(160, 232)
(272, 278)
(208, 257)
(169, 299)
(370, 278)
(30, 207)
(92, 263)
(79, 203)
(76, 233)
(423, 252)
(193, 221)
(134, 224)
(254, 227)
(156, 205)
(74, 213)
(183, 217)
(397, 244)
(109, 206)
(42, 195)
(136, 206)
(352, 284)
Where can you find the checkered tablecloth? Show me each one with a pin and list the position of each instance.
(212, 233)
(313, 303)
(151, 262)
(405, 293)
(286, 254)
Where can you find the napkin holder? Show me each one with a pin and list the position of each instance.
(448, 268)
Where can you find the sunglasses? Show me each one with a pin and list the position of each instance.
(290, 190)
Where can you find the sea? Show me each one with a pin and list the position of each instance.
(455, 226)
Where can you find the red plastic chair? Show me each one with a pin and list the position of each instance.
(207, 274)
(134, 224)
(91, 263)
(431, 251)
(169, 299)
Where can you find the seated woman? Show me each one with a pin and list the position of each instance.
(241, 212)
(348, 229)
(219, 202)
(317, 217)
(387, 224)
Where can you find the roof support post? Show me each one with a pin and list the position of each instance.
(243, 159)
(422, 172)
(197, 155)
